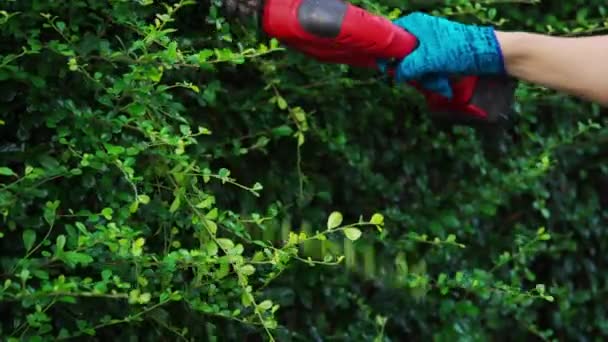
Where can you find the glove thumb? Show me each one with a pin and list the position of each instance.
(438, 84)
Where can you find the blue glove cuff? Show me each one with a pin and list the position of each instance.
(501, 57)
(486, 50)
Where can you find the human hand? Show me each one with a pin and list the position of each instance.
(447, 48)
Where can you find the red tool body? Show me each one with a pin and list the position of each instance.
(335, 31)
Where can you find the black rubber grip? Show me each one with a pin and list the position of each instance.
(322, 18)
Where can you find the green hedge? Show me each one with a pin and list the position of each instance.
(171, 175)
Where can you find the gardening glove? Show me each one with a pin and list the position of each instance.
(447, 48)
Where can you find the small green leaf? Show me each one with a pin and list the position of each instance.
(144, 298)
(213, 214)
(106, 274)
(206, 203)
(133, 296)
(136, 109)
(492, 13)
(282, 131)
(204, 55)
(175, 205)
(140, 242)
(143, 199)
(74, 258)
(107, 213)
(334, 220)
(352, 234)
(247, 270)
(50, 212)
(115, 149)
(212, 226)
(5, 171)
(24, 275)
(211, 248)
(281, 103)
(451, 238)
(377, 219)
(29, 237)
(225, 243)
(223, 173)
(134, 207)
(60, 244)
(246, 299)
(265, 305)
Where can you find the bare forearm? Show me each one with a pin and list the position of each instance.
(578, 66)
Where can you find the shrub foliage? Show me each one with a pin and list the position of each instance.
(168, 174)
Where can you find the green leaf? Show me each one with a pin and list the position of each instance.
(60, 244)
(211, 248)
(206, 203)
(5, 171)
(144, 298)
(75, 258)
(265, 305)
(247, 270)
(213, 214)
(114, 149)
(334, 220)
(352, 234)
(223, 173)
(143, 199)
(282, 131)
(29, 238)
(377, 219)
(50, 212)
(204, 55)
(212, 226)
(451, 238)
(107, 213)
(246, 299)
(492, 13)
(176, 204)
(281, 102)
(136, 109)
(134, 207)
(106, 274)
(225, 243)
(137, 246)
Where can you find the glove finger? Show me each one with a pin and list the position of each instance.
(438, 84)
(412, 67)
(412, 20)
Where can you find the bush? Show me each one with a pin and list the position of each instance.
(169, 174)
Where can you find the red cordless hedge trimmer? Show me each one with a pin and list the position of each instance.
(335, 31)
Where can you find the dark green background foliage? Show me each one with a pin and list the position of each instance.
(169, 174)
